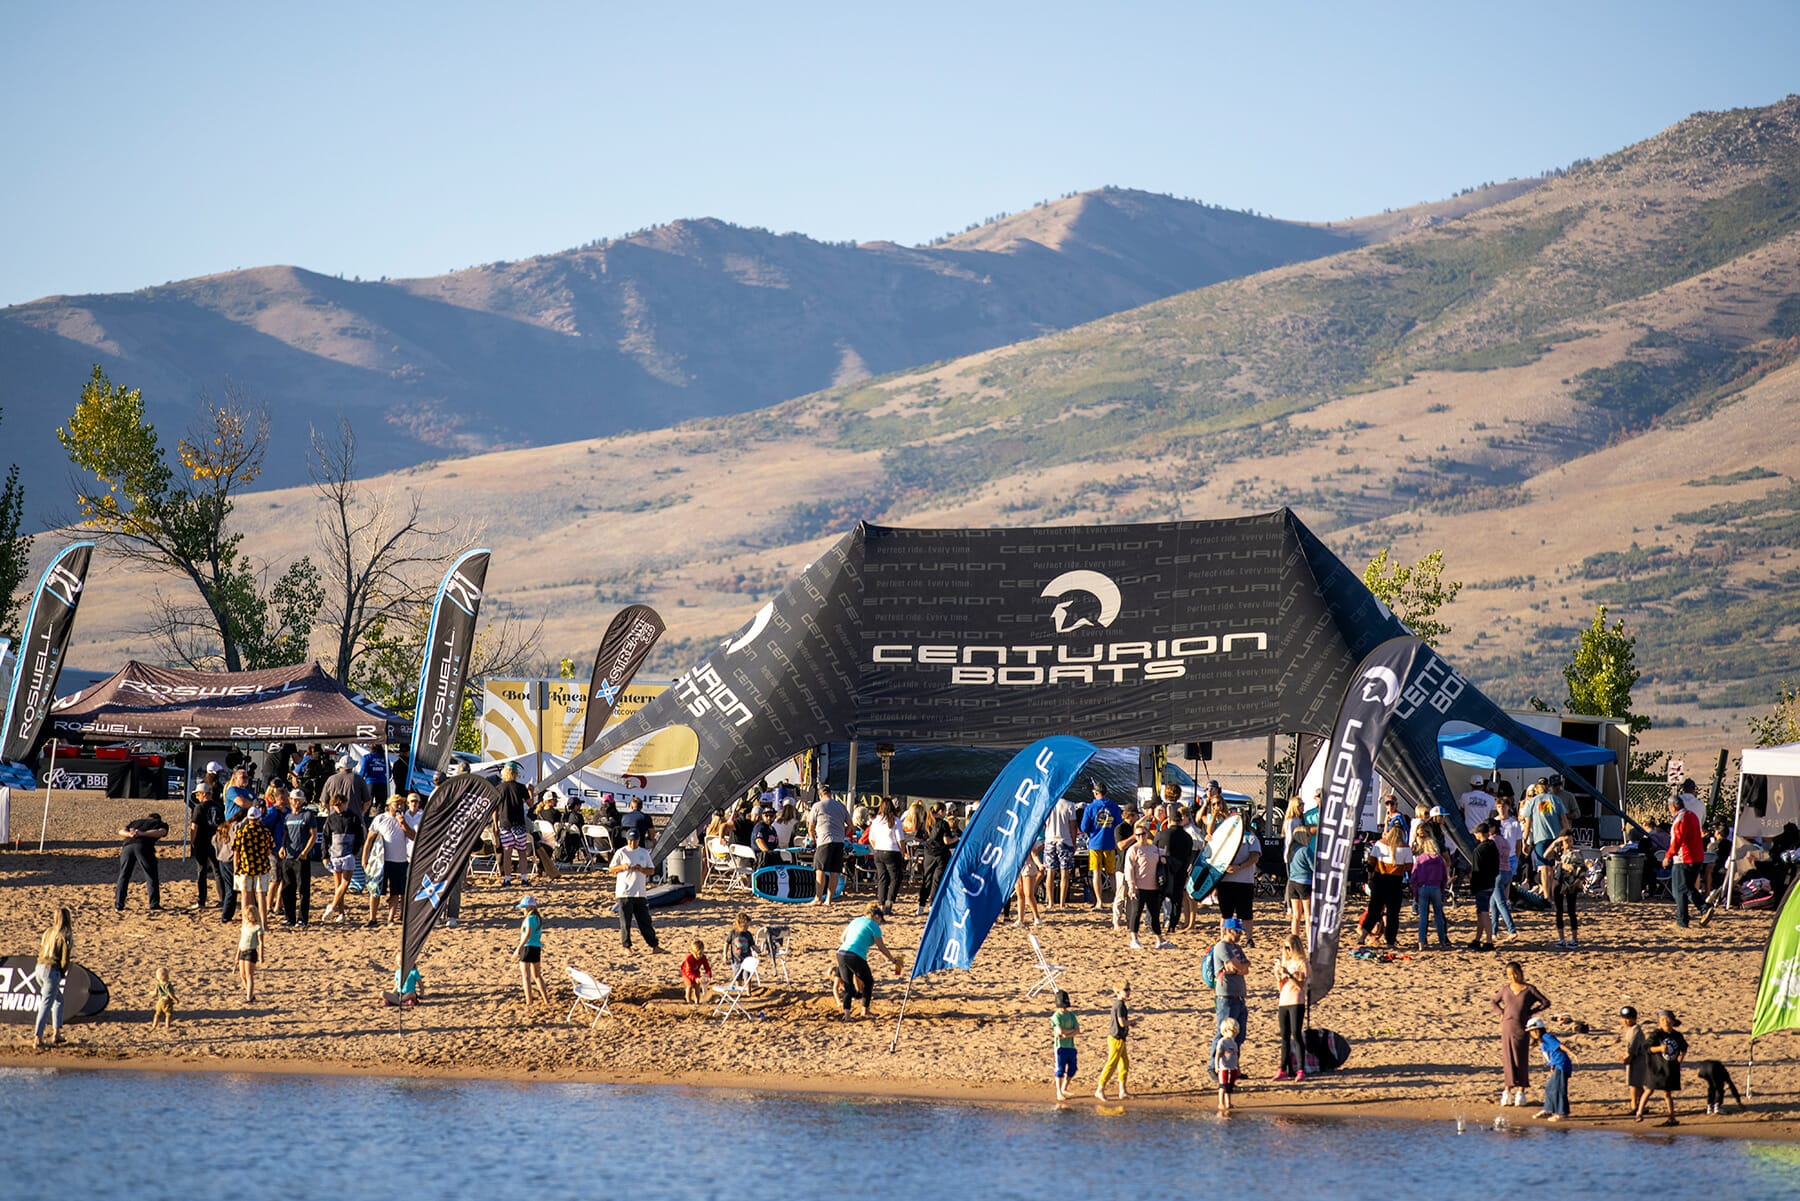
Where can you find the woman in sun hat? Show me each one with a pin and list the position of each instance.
(531, 949)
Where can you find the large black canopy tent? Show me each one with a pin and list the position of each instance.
(1126, 635)
(279, 704)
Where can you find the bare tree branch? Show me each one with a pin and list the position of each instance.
(381, 557)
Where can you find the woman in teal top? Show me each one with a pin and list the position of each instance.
(853, 959)
(531, 950)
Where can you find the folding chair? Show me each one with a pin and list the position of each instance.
(743, 866)
(718, 865)
(730, 995)
(775, 941)
(589, 992)
(596, 844)
(1050, 971)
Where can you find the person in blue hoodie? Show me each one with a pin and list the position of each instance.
(1100, 823)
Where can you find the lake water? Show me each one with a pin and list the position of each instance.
(142, 1135)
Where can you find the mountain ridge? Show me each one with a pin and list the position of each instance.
(692, 318)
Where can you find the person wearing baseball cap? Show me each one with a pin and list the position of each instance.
(530, 952)
(300, 834)
(1231, 971)
(1636, 1057)
(1556, 1084)
(631, 870)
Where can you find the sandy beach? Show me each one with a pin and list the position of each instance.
(1424, 1037)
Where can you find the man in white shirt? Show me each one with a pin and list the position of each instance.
(1059, 851)
(1689, 796)
(395, 837)
(631, 870)
(1477, 804)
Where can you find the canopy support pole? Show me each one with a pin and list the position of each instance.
(186, 797)
(851, 798)
(1737, 815)
(904, 998)
(44, 826)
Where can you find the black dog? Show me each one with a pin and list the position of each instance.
(1718, 1079)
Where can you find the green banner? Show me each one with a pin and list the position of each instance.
(1778, 996)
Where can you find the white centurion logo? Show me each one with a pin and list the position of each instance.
(1381, 687)
(1073, 611)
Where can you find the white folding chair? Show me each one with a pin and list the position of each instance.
(591, 993)
(775, 942)
(743, 867)
(596, 844)
(730, 995)
(1048, 971)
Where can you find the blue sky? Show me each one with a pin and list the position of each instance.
(148, 142)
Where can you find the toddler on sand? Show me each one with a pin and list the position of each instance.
(1225, 1063)
(165, 1001)
(1063, 1028)
(693, 967)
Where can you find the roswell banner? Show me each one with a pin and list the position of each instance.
(984, 869)
(48, 624)
(1349, 775)
(1126, 635)
(622, 651)
(455, 815)
(446, 667)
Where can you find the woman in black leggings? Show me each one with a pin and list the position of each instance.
(889, 854)
(1565, 889)
(1290, 977)
(939, 838)
(1387, 862)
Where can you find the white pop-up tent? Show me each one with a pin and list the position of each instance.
(1768, 795)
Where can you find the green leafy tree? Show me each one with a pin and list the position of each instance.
(1602, 672)
(1414, 592)
(393, 651)
(1781, 724)
(15, 554)
(174, 517)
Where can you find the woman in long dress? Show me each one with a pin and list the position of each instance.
(1515, 1003)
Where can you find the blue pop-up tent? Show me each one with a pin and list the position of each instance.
(1478, 748)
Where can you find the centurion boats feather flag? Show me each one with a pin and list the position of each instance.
(985, 866)
(458, 811)
(48, 625)
(622, 651)
(445, 670)
(1350, 758)
(1122, 634)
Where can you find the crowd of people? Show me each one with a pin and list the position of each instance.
(257, 845)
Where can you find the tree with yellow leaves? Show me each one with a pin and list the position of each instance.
(178, 521)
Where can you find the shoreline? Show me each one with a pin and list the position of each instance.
(1421, 1025)
(1748, 1125)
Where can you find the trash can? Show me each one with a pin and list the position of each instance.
(683, 866)
(1624, 877)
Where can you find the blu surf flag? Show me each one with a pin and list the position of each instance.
(984, 869)
(1378, 689)
(454, 818)
(1778, 995)
(48, 625)
(448, 641)
(622, 651)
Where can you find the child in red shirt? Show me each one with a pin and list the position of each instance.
(693, 967)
